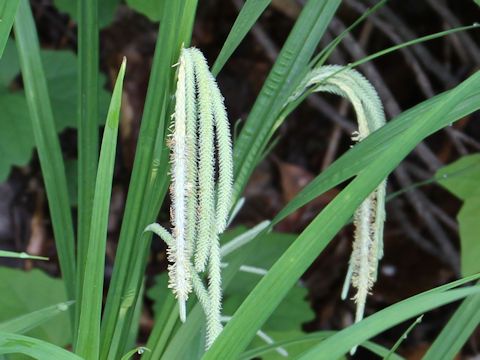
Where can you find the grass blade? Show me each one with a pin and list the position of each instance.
(37, 349)
(251, 11)
(457, 331)
(87, 113)
(88, 332)
(313, 337)
(289, 69)
(26, 322)
(403, 337)
(148, 183)
(47, 143)
(340, 343)
(266, 296)
(21, 255)
(7, 14)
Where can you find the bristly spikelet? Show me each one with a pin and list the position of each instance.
(179, 272)
(370, 216)
(225, 157)
(191, 152)
(198, 213)
(206, 168)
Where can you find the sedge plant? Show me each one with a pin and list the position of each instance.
(203, 202)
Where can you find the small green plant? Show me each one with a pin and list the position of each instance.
(203, 202)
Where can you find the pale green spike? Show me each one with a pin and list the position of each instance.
(225, 157)
(206, 171)
(163, 233)
(196, 218)
(179, 273)
(214, 326)
(191, 152)
(370, 216)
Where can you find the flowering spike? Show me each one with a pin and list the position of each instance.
(370, 216)
(196, 217)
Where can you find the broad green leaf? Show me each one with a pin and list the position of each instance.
(294, 310)
(251, 11)
(340, 343)
(8, 9)
(31, 320)
(88, 338)
(462, 177)
(16, 137)
(46, 140)
(287, 270)
(469, 230)
(24, 292)
(21, 255)
(61, 76)
(9, 65)
(149, 8)
(37, 349)
(106, 10)
(477, 2)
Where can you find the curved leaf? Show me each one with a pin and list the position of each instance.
(38, 349)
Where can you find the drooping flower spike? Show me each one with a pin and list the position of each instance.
(200, 205)
(370, 216)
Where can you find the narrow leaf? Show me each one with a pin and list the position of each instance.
(88, 336)
(21, 255)
(251, 11)
(23, 323)
(47, 142)
(457, 331)
(286, 74)
(340, 343)
(87, 115)
(37, 349)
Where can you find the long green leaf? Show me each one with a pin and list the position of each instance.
(251, 11)
(457, 331)
(309, 338)
(47, 143)
(37, 349)
(26, 322)
(149, 181)
(340, 343)
(289, 69)
(287, 270)
(88, 332)
(87, 118)
(8, 9)
(21, 255)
